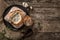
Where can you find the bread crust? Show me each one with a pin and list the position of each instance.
(9, 16)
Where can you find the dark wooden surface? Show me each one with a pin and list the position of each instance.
(46, 17)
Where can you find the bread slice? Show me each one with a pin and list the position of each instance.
(15, 17)
(28, 21)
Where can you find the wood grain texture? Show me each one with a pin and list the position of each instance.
(46, 17)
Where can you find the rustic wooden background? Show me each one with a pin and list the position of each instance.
(46, 17)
